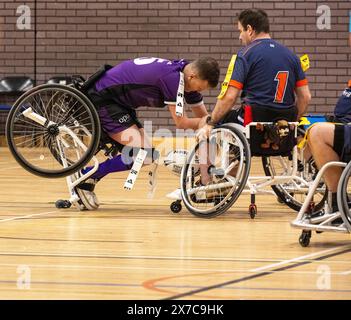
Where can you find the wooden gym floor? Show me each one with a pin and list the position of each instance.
(135, 248)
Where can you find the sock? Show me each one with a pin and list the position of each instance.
(115, 164)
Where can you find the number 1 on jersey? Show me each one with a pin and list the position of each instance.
(282, 78)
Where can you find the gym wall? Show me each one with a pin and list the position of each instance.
(76, 37)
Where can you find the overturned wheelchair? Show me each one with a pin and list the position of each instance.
(53, 131)
(226, 158)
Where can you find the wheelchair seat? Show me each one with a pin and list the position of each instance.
(61, 80)
(270, 132)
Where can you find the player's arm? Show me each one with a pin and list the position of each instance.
(199, 110)
(224, 105)
(235, 78)
(303, 94)
(303, 98)
(184, 122)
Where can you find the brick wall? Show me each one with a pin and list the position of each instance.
(76, 37)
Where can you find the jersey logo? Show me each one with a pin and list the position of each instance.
(124, 119)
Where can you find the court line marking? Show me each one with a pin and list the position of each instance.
(102, 284)
(28, 216)
(180, 258)
(346, 272)
(321, 255)
(300, 258)
(98, 267)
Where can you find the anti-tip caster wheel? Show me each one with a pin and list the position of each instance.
(252, 211)
(176, 206)
(62, 204)
(305, 238)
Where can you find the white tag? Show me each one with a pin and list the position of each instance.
(133, 174)
(152, 179)
(180, 96)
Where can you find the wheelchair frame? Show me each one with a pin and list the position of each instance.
(253, 185)
(256, 185)
(323, 223)
(71, 183)
(60, 131)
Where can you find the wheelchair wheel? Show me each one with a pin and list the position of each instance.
(53, 130)
(226, 157)
(293, 193)
(344, 196)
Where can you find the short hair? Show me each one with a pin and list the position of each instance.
(256, 18)
(208, 69)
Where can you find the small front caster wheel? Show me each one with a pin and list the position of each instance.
(62, 204)
(176, 206)
(305, 238)
(252, 211)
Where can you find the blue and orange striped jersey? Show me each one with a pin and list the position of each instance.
(267, 73)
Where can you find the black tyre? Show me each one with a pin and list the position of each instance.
(288, 193)
(52, 149)
(176, 206)
(305, 238)
(62, 204)
(228, 151)
(344, 196)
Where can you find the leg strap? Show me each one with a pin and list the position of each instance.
(138, 163)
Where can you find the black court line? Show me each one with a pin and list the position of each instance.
(254, 276)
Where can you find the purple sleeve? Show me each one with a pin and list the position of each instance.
(169, 87)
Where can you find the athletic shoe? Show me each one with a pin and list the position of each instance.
(175, 195)
(85, 192)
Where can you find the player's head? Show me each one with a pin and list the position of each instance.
(201, 74)
(252, 22)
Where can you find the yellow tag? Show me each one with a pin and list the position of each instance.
(305, 62)
(228, 76)
(303, 142)
(304, 121)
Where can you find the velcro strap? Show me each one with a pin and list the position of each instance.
(180, 96)
(86, 186)
(133, 174)
(228, 76)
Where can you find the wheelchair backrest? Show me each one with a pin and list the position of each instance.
(270, 131)
(95, 77)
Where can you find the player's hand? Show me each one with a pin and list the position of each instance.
(202, 122)
(204, 132)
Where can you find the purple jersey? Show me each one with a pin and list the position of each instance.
(144, 82)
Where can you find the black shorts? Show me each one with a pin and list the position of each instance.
(114, 117)
(339, 143)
